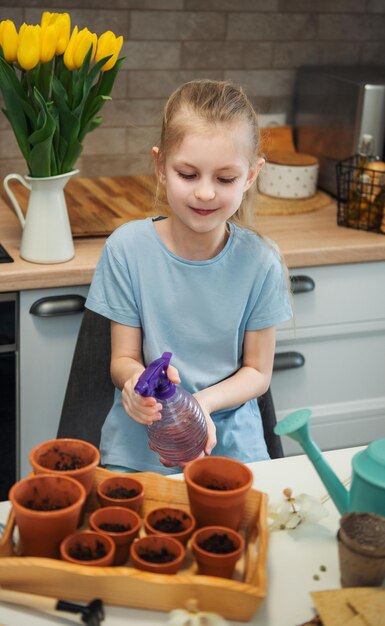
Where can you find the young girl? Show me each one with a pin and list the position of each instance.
(198, 284)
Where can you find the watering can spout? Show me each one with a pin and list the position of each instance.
(296, 426)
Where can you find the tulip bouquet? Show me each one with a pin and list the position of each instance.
(54, 84)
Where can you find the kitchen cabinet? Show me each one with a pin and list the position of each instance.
(339, 330)
(49, 321)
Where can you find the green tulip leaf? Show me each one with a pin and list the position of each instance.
(67, 140)
(41, 140)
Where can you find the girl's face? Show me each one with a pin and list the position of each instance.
(206, 176)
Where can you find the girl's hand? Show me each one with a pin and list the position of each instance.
(144, 410)
(211, 441)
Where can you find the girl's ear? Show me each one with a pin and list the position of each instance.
(253, 173)
(159, 168)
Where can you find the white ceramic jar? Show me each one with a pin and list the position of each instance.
(290, 175)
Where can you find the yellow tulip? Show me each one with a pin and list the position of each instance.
(69, 51)
(48, 43)
(84, 40)
(108, 44)
(62, 24)
(9, 41)
(28, 50)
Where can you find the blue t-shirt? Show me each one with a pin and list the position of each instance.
(199, 311)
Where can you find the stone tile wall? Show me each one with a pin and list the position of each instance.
(257, 43)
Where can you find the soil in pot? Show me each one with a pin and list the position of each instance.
(46, 505)
(218, 544)
(218, 486)
(82, 552)
(157, 556)
(121, 493)
(65, 461)
(170, 524)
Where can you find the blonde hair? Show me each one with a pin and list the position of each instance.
(210, 102)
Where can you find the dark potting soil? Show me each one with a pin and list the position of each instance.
(169, 524)
(121, 493)
(115, 528)
(82, 552)
(218, 544)
(45, 505)
(64, 461)
(219, 487)
(67, 461)
(157, 556)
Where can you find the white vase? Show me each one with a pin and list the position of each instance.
(46, 236)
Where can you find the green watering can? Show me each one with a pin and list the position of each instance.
(367, 492)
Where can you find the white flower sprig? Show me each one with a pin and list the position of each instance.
(192, 616)
(292, 511)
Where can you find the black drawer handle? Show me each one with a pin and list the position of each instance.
(301, 284)
(58, 305)
(288, 361)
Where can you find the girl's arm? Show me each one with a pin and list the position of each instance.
(251, 380)
(126, 367)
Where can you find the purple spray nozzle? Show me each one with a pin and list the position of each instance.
(154, 380)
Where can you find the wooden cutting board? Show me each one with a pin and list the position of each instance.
(96, 206)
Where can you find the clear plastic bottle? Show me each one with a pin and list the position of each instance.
(181, 434)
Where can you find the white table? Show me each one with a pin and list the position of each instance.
(294, 557)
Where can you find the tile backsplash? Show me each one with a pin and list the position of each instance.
(257, 43)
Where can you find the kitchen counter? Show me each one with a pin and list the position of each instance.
(308, 239)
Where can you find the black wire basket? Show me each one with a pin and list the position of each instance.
(361, 196)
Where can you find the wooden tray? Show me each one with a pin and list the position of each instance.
(127, 586)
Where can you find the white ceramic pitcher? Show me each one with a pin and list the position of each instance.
(46, 236)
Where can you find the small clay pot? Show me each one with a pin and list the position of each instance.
(217, 550)
(171, 522)
(217, 489)
(361, 550)
(47, 508)
(87, 547)
(121, 490)
(68, 457)
(157, 553)
(121, 524)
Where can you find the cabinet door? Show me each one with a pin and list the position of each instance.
(339, 331)
(49, 324)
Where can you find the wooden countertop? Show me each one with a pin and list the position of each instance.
(308, 239)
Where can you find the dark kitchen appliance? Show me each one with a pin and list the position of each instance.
(8, 395)
(334, 107)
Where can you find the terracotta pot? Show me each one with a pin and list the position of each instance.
(41, 531)
(214, 563)
(50, 456)
(217, 489)
(122, 539)
(84, 540)
(157, 544)
(166, 515)
(117, 482)
(361, 550)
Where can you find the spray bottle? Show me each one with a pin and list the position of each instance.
(181, 434)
